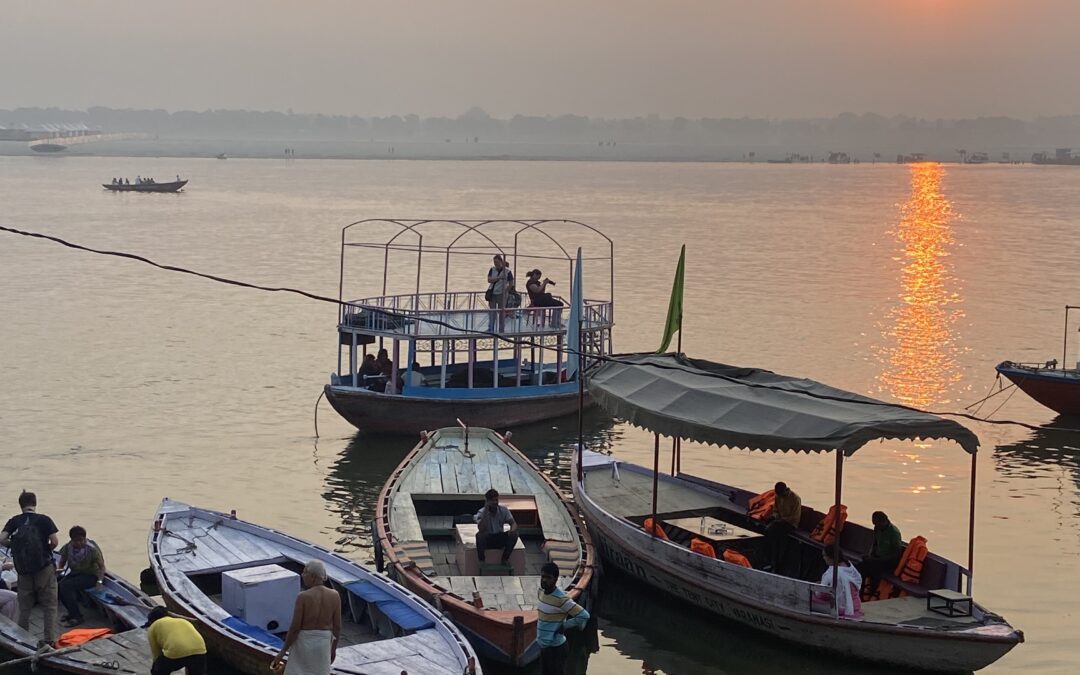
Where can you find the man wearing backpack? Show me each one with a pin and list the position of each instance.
(31, 538)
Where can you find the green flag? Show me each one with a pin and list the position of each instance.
(674, 312)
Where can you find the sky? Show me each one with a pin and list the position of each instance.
(600, 58)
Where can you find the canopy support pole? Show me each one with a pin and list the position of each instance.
(674, 449)
(678, 455)
(971, 524)
(655, 480)
(580, 420)
(836, 539)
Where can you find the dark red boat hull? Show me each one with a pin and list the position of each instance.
(1056, 389)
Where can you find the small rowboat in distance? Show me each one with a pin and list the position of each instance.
(174, 186)
(119, 606)
(239, 582)
(426, 547)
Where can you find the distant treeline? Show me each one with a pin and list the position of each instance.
(859, 134)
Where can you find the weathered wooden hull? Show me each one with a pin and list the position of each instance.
(1052, 388)
(174, 186)
(507, 637)
(727, 593)
(407, 415)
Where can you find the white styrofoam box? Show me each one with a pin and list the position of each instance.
(262, 596)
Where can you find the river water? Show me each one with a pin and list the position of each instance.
(123, 384)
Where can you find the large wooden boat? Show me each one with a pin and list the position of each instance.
(199, 555)
(451, 356)
(118, 606)
(756, 409)
(173, 186)
(1055, 386)
(425, 545)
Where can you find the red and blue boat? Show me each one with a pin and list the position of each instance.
(1057, 388)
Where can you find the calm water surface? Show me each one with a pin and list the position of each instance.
(123, 384)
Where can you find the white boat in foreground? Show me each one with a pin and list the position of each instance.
(934, 624)
(203, 558)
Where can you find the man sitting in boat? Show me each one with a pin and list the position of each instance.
(415, 378)
(85, 566)
(490, 533)
(786, 513)
(368, 370)
(886, 551)
(557, 612)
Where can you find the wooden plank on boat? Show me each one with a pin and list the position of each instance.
(483, 478)
(553, 515)
(426, 643)
(466, 478)
(449, 479)
(404, 523)
(500, 478)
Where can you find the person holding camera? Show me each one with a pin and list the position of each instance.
(538, 295)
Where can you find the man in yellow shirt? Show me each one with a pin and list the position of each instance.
(174, 644)
(785, 517)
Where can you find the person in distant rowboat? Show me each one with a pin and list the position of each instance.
(312, 640)
(786, 513)
(557, 612)
(174, 644)
(491, 520)
(368, 369)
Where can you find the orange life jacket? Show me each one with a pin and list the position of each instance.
(829, 527)
(657, 529)
(909, 569)
(736, 558)
(761, 506)
(78, 636)
(698, 545)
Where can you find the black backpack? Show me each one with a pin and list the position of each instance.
(28, 550)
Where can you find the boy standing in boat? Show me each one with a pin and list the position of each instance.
(557, 612)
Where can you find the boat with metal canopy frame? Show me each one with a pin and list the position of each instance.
(755, 409)
(449, 353)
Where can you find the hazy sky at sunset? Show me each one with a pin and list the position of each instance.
(612, 58)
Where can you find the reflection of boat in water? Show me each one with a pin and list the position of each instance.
(448, 355)
(47, 147)
(1054, 387)
(1056, 444)
(759, 410)
(174, 186)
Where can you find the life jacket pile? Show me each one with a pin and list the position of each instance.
(736, 558)
(78, 636)
(830, 526)
(656, 529)
(908, 570)
(761, 506)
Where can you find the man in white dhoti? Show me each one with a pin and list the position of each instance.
(312, 640)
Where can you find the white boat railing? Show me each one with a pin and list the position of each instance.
(459, 314)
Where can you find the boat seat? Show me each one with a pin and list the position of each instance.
(416, 553)
(437, 526)
(254, 632)
(405, 617)
(369, 591)
(565, 554)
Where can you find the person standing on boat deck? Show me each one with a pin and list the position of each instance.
(557, 612)
(86, 569)
(500, 285)
(313, 635)
(490, 533)
(31, 536)
(174, 644)
(786, 513)
(885, 552)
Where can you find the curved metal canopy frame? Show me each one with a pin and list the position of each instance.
(469, 228)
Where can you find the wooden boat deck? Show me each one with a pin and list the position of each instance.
(370, 641)
(446, 473)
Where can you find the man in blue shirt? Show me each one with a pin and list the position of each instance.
(557, 612)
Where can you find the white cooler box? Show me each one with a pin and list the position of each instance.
(261, 596)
